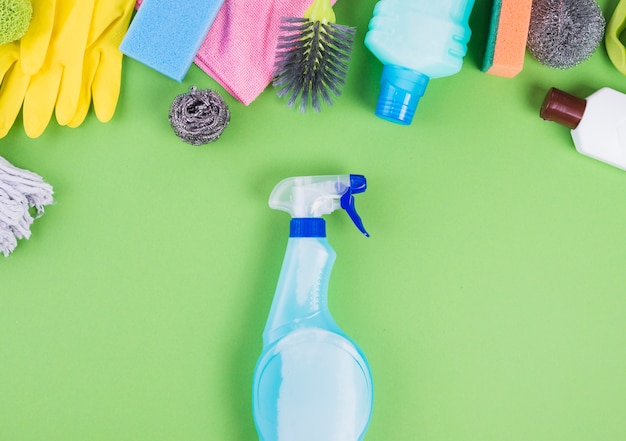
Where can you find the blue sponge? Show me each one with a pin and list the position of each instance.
(167, 34)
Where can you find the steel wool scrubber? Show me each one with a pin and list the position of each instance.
(564, 33)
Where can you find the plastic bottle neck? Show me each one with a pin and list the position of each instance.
(307, 227)
(400, 92)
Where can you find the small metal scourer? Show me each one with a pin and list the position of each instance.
(199, 116)
(564, 33)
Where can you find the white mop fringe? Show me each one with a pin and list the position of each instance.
(20, 190)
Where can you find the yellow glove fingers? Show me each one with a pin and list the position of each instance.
(72, 30)
(79, 61)
(72, 41)
(40, 100)
(69, 95)
(111, 21)
(82, 109)
(12, 93)
(107, 84)
(8, 56)
(70, 90)
(84, 102)
(35, 42)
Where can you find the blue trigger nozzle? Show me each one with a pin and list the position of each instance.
(358, 184)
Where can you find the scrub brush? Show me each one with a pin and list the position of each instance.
(312, 56)
(15, 18)
(564, 33)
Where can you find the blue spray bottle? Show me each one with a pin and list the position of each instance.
(311, 382)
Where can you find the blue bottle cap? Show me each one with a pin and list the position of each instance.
(307, 227)
(400, 91)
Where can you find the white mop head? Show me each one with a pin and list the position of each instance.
(20, 190)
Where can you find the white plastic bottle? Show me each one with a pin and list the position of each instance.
(416, 40)
(597, 123)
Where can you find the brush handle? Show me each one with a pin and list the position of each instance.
(320, 10)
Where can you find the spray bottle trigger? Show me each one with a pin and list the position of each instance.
(347, 203)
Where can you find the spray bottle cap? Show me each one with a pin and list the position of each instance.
(400, 92)
(310, 197)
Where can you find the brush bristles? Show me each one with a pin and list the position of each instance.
(311, 61)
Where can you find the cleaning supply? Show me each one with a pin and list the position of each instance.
(596, 122)
(312, 56)
(21, 60)
(15, 18)
(311, 382)
(564, 33)
(416, 40)
(167, 34)
(199, 116)
(614, 46)
(101, 80)
(67, 57)
(20, 191)
(239, 50)
(506, 43)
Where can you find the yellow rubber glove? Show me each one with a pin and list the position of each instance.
(57, 83)
(20, 59)
(70, 55)
(48, 67)
(102, 72)
(13, 85)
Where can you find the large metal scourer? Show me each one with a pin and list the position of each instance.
(564, 33)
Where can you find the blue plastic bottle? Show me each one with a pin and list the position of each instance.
(416, 40)
(311, 382)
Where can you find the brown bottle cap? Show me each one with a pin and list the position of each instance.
(563, 108)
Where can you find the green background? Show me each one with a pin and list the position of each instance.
(489, 300)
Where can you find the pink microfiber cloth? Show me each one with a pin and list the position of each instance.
(240, 48)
